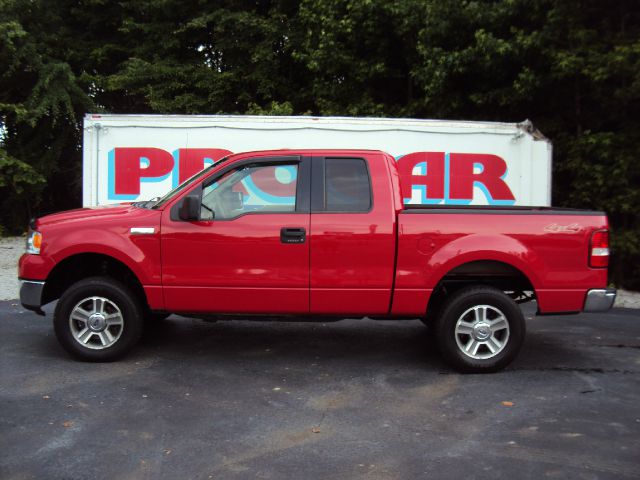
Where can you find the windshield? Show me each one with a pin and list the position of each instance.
(190, 181)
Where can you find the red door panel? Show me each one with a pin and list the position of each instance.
(251, 254)
(351, 263)
(352, 254)
(236, 266)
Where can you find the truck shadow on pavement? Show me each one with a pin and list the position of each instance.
(405, 343)
(548, 346)
(358, 340)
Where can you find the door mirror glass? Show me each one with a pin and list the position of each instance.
(190, 208)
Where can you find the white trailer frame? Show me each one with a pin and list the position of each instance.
(527, 152)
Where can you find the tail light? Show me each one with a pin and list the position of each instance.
(599, 249)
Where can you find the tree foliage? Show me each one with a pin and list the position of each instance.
(571, 66)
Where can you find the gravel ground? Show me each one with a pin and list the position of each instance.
(10, 250)
(12, 247)
(627, 299)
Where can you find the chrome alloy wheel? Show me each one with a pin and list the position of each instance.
(96, 323)
(482, 332)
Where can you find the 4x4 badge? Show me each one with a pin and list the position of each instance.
(555, 228)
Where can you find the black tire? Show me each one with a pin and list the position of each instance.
(451, 344)
(119, 300)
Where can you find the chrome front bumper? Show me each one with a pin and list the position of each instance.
(31, 294)
(599, 300)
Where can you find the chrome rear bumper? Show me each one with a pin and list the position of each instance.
(599, 300)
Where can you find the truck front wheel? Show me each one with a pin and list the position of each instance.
(480, 329)
(98, 319)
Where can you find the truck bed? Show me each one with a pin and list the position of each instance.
(549, 246)
(498, 210)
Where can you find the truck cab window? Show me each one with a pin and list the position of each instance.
(347, 185)
(251, 189)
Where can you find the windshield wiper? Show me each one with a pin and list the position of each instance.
(152, 202)
(146, 203)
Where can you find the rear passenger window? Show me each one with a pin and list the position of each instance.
(347, 185)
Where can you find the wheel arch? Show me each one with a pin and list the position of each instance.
(78, 266)
(495, 273)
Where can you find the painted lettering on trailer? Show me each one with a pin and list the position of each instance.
(426, 177)
(449, 178)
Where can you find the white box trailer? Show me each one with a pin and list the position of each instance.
(139, 157)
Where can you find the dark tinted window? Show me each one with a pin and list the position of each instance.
(347, 185)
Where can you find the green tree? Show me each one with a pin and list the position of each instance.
(41, 106)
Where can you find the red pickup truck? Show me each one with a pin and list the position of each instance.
(314, 234)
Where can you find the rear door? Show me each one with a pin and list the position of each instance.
(352, 235)
(249, 251)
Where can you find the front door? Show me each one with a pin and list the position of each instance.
(249, 251)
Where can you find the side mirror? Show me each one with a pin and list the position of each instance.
(190, 208)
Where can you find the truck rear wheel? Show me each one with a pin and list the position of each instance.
(98, 319)
(480, 329)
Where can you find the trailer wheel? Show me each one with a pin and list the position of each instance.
(98, 319)
(480, 330)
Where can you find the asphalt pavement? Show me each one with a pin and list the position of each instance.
(352, 399)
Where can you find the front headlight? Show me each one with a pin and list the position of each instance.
(34, 242)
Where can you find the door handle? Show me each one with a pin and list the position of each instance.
(293, 235)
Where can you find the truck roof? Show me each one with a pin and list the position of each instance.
(307, 151)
